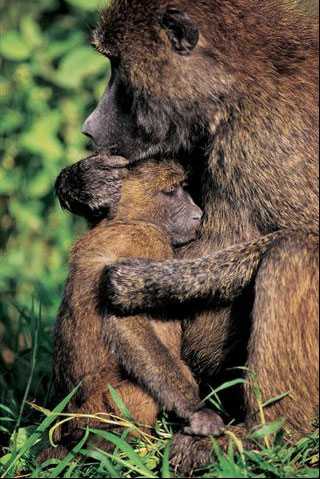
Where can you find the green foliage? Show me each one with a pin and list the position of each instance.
(50, 78)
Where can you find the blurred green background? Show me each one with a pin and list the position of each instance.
(50, 79)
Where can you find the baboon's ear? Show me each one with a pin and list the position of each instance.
(181, 30)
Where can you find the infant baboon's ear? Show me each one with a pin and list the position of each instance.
(181, 30)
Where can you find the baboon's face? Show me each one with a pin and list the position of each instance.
(155, 103)
(155, 192)
(178, 214)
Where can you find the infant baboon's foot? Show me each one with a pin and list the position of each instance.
(189, 452)
(205, 423)
(59, 452)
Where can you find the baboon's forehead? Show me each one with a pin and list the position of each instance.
(158, 175)
(124, 22)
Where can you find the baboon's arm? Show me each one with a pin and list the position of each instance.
(143, 355)
(139, 285)
(159, 371)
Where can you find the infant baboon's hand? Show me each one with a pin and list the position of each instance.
(205, 423)
(92, 187)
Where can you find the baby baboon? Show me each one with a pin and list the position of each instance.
(139, 358)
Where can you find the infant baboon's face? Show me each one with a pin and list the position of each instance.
(155, 192)
(178, 214)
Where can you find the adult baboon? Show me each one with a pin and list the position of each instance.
(232, 85)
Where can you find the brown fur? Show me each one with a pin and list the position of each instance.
(140, 358)
(250, 86)
(310, 6)
(253, 80)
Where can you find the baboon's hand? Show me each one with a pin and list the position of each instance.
(205, 423)
(91, 188)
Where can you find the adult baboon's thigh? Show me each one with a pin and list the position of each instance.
(284, 344)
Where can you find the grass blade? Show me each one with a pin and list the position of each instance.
(165, 468)
(274, 400)
(268, 429)
(135, 461)
(34, 438)
(229, 385)
(117, 399)
(69, 457)
(103, 459)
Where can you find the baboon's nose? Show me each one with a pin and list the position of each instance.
(197, 215)
(87, 128)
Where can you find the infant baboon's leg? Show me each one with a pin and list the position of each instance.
(148, 360)
(95, 390)
(141, 405)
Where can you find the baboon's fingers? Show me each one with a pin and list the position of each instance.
(109, 161)
(92, 187)
(205, 423)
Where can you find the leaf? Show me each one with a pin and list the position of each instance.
(7, 410)
(26, 214)
(275, 399)
(268, 429)
(31, 32)
(40, 185)
(104, 460)
(69, 457)
(78, 65)
(165, 468)
(42, 138)
(59, 48)
(10, 120)
(89, 5)
(14, 47)
(5, 459)
(229, 385)
(20, 437)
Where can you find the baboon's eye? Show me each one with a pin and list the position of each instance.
(181, 30)
(171, 190)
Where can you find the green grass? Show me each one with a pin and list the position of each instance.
(28, 414)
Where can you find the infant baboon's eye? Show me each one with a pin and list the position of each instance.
(171, 191)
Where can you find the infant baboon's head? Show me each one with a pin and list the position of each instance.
(155, 192)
